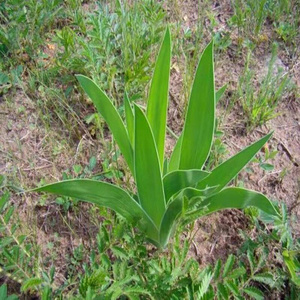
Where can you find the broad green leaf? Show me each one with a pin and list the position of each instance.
(220, 92)
(104, 194)
(226, 171)
(200, 118)
(178, 180)
(175, 157)
(147, 169)
(106, 108)
(129, 119)
(199, 204)
(238, 198)
(158, 96)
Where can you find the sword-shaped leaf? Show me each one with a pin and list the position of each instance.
(158, 96)
(147, 169)
(200, 118)
(180, 179)
(226, 171)
(104, 194)
(106, 108)
(175, 156)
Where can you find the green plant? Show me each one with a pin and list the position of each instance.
(120, 266)
(167, 190)
(280, 248)
(249, 17)
(19, 254)
(4, 295)
(259, 105)
(286, 31)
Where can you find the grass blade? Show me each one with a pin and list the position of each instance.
(110, 115)
(158, 96)
(147, 169)
(178, 180)
(104, 194)
(220, 92)
(200, 119)
(226, 171)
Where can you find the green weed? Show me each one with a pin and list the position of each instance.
(259, 104)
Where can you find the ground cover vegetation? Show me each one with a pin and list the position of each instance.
(56, 247)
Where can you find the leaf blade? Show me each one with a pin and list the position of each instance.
(226, 171)
(147, 169)
(180, 179)
(110, 115)
(104, 194)
(239, 198)
(158, 96)
(200, 115)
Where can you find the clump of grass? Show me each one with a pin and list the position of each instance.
(259, 104)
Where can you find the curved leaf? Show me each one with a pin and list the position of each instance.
(106, 108)
(226, 171)
(239, 198)
(200, 118)
(104, 194)
(147, 169)
(192, 201)
(178, 180)
(158, 96)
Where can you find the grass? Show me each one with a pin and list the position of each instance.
(43, 44)
(259, 103)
